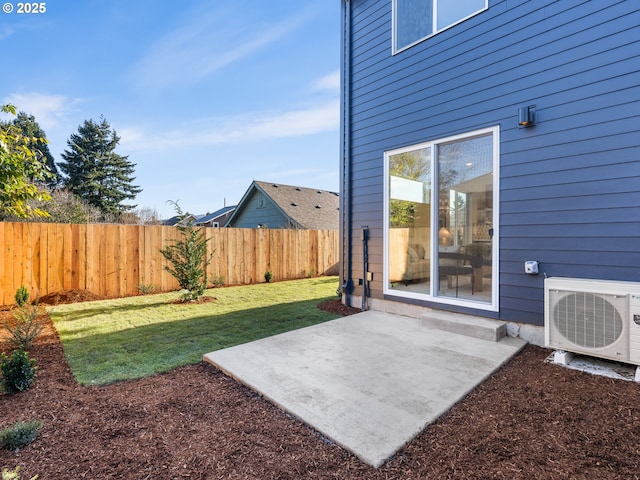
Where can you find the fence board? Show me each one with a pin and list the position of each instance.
(3, 267)
(112, 260)
(43, 249)
(75, 257)
(67, 256)
(17, 254)
(32, 267)
(92, 259)
(133, 260)
(56, 259)
(80, 257)
(30, 245)
(262, 253)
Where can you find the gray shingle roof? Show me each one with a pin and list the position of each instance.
(311, 208)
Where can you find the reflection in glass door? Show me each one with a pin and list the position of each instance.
(409, 230)
(465, 218)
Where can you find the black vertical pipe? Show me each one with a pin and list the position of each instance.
(346, 234)
(365, 266)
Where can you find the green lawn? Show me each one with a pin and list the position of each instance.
(122, 339)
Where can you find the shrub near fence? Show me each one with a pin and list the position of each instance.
(112, 260)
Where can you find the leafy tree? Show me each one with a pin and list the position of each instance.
(188, 258)
(21, 171)
(65, 207)
(95, 172)
(413, 166)
(38, 143)
(148, 216)
(141, 216)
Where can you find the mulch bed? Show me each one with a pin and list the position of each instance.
(530, 420)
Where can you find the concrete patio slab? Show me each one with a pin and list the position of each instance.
(369, 382)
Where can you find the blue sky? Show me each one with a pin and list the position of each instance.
(206, 95)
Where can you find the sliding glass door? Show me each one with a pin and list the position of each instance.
(441, 203)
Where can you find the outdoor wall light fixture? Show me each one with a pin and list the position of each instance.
(527, 116)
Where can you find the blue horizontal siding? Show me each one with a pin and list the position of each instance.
(592, 229)
(605, 216)
(587, 189)
(437, 105)
(518, 247)
(459, 65)
(570, 195)
(555, 257)
(576, 179)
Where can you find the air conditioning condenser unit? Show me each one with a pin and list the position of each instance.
(600, 318)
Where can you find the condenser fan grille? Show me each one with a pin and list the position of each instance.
(589, 320)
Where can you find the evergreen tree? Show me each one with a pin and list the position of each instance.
(188, 257)
(93, 170)
(38, 144)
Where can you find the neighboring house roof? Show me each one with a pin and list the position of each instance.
(220, 216)
(175, 220)
(300, 207)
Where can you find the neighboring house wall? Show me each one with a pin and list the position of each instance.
(218, 218)
(568, 187)
(259, 210)
(222, 220)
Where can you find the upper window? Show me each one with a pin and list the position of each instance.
(415, 20)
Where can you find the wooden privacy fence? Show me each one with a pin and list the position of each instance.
(113, 260)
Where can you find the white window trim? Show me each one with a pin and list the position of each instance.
(430, 297)
(394, 44)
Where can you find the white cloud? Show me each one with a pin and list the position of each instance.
(329, 82)
(238, 129)
(48, 110)
(207, 42)
(6, 31)
(286, 124)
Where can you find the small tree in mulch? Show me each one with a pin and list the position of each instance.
(18, 372)
(20, 434)
(26, 327)
(188, 258)
(22, 296)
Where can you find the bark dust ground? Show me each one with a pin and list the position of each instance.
(530, 420)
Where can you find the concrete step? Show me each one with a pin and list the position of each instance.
(469, 325)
